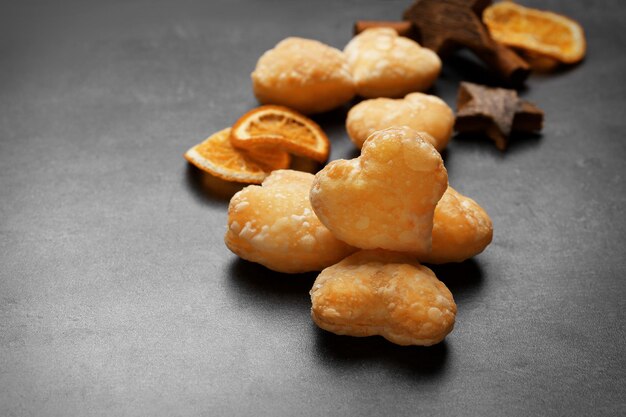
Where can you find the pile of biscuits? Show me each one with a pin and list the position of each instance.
(311, 77)
(367, 223)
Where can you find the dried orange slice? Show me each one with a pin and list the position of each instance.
(281, 127)
(217, 156)
(536, 31)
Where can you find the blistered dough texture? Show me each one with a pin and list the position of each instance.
(384, 64)
(461, 229)
(383, 293)
(303, 74)
(422, 112)
(274, 225)
(386, 197)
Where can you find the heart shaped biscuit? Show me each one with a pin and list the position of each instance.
(304, 75)
(383, 293)
(384, 64)
(386, 197)
(273, 225)
(422, 112)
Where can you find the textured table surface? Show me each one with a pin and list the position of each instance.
(118, 296)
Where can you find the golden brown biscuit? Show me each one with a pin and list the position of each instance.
(461, 229)
(386, 197)
(303, 74)
(383, 293)
(422, 112)
(274, 225)
(384, 64)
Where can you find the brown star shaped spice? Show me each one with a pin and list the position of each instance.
(495, 112)
(446, 25)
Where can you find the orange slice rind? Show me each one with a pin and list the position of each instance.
(217, 156)
(283, 128)
(536, 31)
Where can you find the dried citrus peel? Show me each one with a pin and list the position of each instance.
(217, 156)
(280, 128)
(536, 31)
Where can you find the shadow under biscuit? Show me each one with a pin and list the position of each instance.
(209, 189)
(444, 155)
(342, 353)
(258, 285)
(300, 163)
(333, 122)
(463, 279)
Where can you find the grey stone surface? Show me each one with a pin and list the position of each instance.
(118, 296)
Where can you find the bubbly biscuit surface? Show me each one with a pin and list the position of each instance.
(303, 74)
(386, 197)
(422, 112)
(384, 64)
(461, 229)
(383, 293)
(274, 225)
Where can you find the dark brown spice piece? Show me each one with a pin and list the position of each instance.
(495, 112)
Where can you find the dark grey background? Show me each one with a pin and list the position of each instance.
(118, 296)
